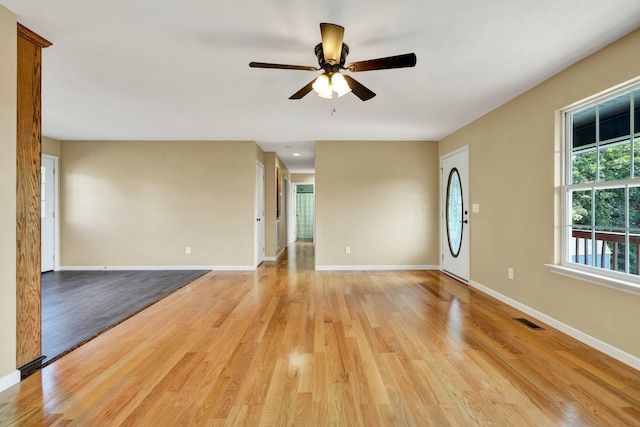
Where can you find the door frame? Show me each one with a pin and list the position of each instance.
(444, 244)
(285, 209)
(295, 195)
(258, 253)
(291, 209)
(56, 203)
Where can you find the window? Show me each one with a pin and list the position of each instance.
(602, 186)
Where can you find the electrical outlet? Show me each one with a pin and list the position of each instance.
(347, 250)
(510, 273)
(187, 250)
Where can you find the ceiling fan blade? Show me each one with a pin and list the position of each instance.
(398, 61)
(282, 66)
(358, 89)
(332, 36)
(302, 92)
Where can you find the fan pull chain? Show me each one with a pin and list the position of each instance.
(333, 108)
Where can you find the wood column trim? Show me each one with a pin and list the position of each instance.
(34, 38)
(28, 154)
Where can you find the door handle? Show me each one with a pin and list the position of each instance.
(466, 221)
(257, 219)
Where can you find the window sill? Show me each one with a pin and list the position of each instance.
(598, 279)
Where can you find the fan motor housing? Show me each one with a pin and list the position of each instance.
(328, 66)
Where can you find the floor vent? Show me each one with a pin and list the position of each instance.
(31, 367)
(529, 324)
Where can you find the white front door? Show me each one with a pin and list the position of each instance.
(455, 214)
(259, 215)
(47, 213)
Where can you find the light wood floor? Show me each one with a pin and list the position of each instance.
(286, 345)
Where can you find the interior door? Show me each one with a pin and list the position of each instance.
(455, 214)
(259, 214)
(47, 213)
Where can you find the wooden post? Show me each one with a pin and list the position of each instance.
(28, 151)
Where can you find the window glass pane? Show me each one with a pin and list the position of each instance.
(634, 210)
(584, 165)
(581, 247)
(584, 127)
(581, 244)
(636, 155)
(634, 230)
(615, 161)
(636, 115)
(634, 265)
(581, 213)
(603, 252)
(610, 207)
(615, 117)
(610, 249)
(454, 212)
(615, 252)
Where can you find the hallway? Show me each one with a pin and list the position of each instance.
(288, 345)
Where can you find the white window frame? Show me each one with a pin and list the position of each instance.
(609, 278)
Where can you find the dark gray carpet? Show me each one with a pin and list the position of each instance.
(78, 305)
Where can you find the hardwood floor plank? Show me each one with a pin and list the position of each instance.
(287, 345)
(78, 305)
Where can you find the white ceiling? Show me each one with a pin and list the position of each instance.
(169, 70)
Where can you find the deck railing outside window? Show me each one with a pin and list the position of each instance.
(608, 252)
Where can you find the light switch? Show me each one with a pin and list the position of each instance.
(475, 208)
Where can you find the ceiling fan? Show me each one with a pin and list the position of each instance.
(332, 54)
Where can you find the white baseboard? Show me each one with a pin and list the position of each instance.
(156, 267)
(602, 346)
(376, 267)
(9, 380)
(275, 258)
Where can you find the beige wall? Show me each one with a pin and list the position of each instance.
(141, 203)
(259, 154)
(513, 173)
(50, 146)
(303, 178)
(379, 198)
(8, 79)
(271, 162)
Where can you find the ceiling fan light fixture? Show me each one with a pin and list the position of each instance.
(339, 84)
(332, 54)
(322, 86)
(326, 84)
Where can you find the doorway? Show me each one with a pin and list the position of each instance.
(259, 215)
(286, 208)
(454, 180)
(305, 212)
(48, 208)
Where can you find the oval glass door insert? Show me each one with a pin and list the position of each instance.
(454, 209)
